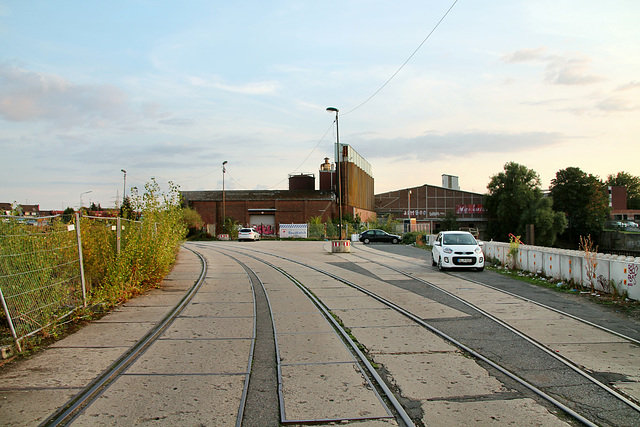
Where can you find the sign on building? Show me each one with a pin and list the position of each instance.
(293, 231)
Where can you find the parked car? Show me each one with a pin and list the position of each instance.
(457, 249)
(378, 236)
(248, 234)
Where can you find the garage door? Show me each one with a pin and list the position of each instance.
(264, 224)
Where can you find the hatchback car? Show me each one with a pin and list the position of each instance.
(457, 249)
(248, 234)
(378, 236)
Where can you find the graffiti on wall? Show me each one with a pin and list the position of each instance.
(265, 229)
(633, 274)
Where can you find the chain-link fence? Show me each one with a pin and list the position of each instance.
(40, 277)
(48, 265)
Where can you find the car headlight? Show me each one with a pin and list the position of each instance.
(478, 250)
(447, 250)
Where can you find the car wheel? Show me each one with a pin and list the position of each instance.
(440, 267)
(394, 241)
(480, 268)
(433, 261)
(366, 241)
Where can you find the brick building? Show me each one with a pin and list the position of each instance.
(266, 209)
(618, 205)
(422, 208)
(262, 209)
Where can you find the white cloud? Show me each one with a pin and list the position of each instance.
(451, 145)
(560, 69)
(253, 88)
(628, 86)
(31, 96)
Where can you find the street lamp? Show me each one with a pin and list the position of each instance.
(409, 210)
(124, 185)
(84, 192)
(334, 109)
(224, 214)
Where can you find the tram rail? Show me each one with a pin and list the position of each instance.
(556, 399)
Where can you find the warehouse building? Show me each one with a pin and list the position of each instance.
(266, 209)
(423, 208)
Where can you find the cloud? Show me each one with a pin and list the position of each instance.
(524, 55)
(560, 70)
(451, 145)
(256, 88)
(616, 105)
(178, 122)
(29, 96)
(629, 86)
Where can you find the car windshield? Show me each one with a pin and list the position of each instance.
(458, 239)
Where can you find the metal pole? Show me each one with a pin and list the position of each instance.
(339, 176)
(224, 213)
(118, 234)
(124, 185)
(10, 321)
(82, 278)
(334, 109)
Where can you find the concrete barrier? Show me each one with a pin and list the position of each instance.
(340, 246)
(566, 265)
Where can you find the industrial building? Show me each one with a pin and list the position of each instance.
(266, 209)
(422, 208)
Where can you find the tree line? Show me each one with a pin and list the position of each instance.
(577, 204)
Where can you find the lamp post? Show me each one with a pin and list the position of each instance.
(84, 192)
(224, 214)
(409, 209)
(334, 109)
(124, 185)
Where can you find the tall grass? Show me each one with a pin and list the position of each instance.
(40, 269)
(148, 247)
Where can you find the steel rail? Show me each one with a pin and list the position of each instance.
(361, 357)
(455, 342)
(69, 411)
(557, 310)
(567, 362)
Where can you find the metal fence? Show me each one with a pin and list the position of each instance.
(42, 273)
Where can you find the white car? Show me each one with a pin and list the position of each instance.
(457, 249)
(248, 234)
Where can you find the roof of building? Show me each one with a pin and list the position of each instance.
(404, 190)
(241, 195)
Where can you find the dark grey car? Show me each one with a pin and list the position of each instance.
(378, 236)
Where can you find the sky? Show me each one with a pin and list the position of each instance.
(169, 90)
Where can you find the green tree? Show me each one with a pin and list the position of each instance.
(192, 220)
(67, 215)
(126, 211)
(548, 224)
(583, 199)
(632, 183)
(514, 200)
(450, 221)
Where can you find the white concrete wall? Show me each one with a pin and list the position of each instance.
(570, 265)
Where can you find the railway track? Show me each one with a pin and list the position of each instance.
(367, 337)
(571, 387)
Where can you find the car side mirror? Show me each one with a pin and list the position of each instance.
(436, 243)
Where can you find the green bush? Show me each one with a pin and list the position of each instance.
(148, 248)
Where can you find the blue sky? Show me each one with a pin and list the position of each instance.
(170, 90)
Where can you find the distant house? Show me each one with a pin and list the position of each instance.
(618, 205)
(5, 208)
(30, 210)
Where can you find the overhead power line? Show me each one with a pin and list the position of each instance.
(405, 62)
